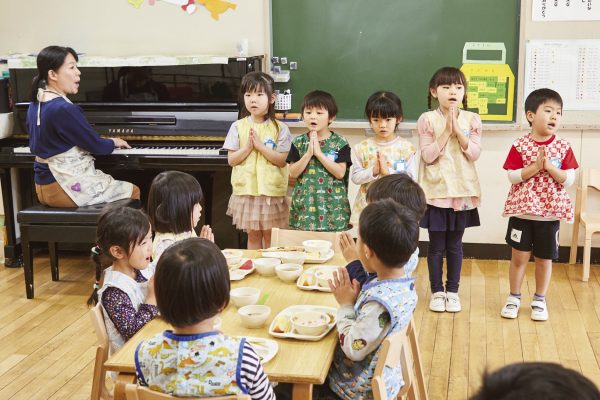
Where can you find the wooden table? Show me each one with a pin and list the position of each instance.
(301, 363)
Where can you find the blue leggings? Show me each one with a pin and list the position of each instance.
(449, 242)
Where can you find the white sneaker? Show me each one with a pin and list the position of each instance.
(511, 307)
(438, 302)
(539, 310)
(452, 302)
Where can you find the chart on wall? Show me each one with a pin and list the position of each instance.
(568, 66)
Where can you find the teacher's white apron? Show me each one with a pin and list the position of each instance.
(75, 172)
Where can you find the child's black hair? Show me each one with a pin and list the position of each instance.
(390, 231)
(125, 227)
(402, 189)
(447, 76)
(384, 104)
(191, 282)
(320, 99)
(539, 97)
(171, 201)
(256, 82)
(50, 58)
(536, 380)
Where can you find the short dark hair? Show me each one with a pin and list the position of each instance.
(50, 58)
(390, 231)
(192, 282)
(125, 227)
(402, 189)
(384, 104)
(447, 76)
(320, 99)
(536, 380)
(539, 97)
(171, 201)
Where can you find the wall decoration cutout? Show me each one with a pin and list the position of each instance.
(215, 7)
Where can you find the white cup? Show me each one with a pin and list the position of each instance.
(242, 48)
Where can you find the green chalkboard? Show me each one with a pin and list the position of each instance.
(353, 48)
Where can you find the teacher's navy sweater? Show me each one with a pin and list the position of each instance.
(63, 126)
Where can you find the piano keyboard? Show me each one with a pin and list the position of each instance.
(152, 150)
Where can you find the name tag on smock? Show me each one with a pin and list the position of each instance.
(270, 144)
(400, 165)
(556, 162)
(332, 155)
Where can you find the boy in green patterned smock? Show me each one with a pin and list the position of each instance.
(319, 161)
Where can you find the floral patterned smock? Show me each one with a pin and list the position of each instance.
(319, 200)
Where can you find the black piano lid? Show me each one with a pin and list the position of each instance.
(165, 100)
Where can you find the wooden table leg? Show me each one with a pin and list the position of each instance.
(302, 391)
(122, 380)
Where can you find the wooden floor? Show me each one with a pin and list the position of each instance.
(48, 345)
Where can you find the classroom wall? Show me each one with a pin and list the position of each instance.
(115, 28)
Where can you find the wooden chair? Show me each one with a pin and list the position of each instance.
(99, 389)
(135, 392)
(589, 221)
(288, 237)
(395, 350)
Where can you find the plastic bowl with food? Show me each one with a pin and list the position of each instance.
(310, 323)
(323, 276)
(266, 266)
(322, 247)
(243, 296)
(254, 316)
(289, 272)
(293, 257)
(232, 256)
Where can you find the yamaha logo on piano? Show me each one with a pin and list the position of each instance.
(120, 130)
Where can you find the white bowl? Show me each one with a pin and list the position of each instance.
(266, 266)
(289, 272)
(323, 276)
(310, 323)
(254, 316)
(233, 257)
(244, 296)
(293, 257)
(317, 246)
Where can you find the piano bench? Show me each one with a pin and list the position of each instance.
(59, 225)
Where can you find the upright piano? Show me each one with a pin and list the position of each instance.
(174, 115)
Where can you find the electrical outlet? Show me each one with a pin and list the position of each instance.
(274, 60)
(284, 60)
(293, 65)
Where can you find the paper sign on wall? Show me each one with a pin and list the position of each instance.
(565, 10)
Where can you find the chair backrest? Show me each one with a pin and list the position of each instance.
(135, 392)
(99, 389)
(394, 351)
(288, 237)
(589, 177)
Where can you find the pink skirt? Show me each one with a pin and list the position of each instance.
(259, 213)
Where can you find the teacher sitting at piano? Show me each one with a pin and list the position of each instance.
(63, 141)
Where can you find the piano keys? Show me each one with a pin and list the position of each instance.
(182, 151)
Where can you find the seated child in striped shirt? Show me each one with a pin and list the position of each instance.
(195, 360)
